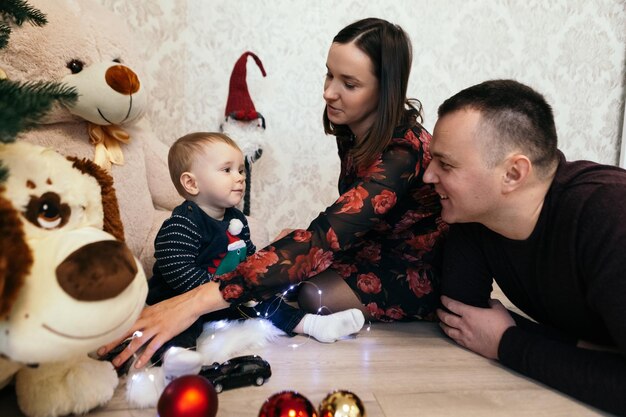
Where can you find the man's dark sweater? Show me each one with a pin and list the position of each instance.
(569, 276)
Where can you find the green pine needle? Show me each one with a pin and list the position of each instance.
(5, 32)
(23, 104)
(20, 11)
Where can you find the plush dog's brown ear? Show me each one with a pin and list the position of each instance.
(16, 258)
(112, 220)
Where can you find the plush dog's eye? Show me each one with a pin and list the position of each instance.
(75, 66)
(118, 60)
(47, 211)
(49, 216)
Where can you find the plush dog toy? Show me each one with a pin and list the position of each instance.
(88, 47)
(67, 283)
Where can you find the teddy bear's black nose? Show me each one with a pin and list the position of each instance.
(122, 79)
(97, 271)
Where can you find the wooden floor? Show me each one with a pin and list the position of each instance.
(397, 369)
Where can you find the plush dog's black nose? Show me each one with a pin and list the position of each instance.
(97, 271)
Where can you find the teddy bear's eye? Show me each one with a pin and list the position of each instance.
(118, 60)
(75, 66)
(47, 211)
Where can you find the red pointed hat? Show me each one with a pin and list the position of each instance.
(239, 105)
(234, 242)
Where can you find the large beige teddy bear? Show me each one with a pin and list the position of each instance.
(88, 47)
(67, 286)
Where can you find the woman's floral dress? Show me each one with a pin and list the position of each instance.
(382, 235)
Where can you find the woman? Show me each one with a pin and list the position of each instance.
(375, 247)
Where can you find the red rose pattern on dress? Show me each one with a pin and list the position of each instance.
(331, 238)
(381, 235)
(257, 265)
(369, 283)
(232, 292)
(344, 270)
(302, 235)
(370, 253)
(419, 282)
(376, 312)
(311, 264)
(384, 201)
(373, 172)
(352, 200)
(395, 313)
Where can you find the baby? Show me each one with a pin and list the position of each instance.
(207, 236)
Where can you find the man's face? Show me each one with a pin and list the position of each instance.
(470, 191)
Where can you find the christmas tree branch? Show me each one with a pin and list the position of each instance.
(23, 104)
(20, 11)
(17, 11)
(5, 32)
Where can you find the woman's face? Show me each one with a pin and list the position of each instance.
(351, 88)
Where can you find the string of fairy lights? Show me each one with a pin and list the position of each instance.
(150, 371)
(283, 299)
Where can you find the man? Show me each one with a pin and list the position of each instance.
(551, 233)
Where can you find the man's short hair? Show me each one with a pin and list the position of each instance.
(514, 117)
(185, 149)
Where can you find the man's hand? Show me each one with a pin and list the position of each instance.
(478, 329)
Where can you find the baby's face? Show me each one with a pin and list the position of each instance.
(220, 176)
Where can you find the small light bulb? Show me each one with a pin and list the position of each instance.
(319, 292)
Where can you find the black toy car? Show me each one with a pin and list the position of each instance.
(237, 372)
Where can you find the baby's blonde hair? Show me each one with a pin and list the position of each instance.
(182, 153)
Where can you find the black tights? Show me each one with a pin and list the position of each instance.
(335, 295)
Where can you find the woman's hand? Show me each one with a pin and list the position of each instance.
(159, 323)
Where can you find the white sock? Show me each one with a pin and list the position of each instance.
(328, 329)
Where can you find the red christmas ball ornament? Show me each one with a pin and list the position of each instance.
(188, 396)
(287, 404)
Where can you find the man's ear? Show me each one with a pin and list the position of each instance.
(188, 181)
(517, 170)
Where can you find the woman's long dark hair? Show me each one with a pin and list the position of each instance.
(389, 49)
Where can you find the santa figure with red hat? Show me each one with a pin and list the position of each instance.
(242, 122)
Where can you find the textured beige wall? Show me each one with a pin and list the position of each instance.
(571, 50)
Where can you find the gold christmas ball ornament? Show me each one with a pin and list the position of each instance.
(341, 403)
